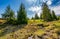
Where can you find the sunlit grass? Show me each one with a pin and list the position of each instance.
(39, 32)
(2, 21)
(35, 21)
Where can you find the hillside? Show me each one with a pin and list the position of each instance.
(34, 30)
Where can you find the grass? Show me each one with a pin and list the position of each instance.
(2, 21)
(27, 30)
(35, 21)
(57, 24)
(39, 32)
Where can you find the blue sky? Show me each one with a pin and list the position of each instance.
(32, 6)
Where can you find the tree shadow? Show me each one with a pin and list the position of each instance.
(9, 29)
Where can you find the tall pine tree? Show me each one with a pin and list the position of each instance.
(21, 15)
(7, 12)
(41, 16)
(54, 16)
(9, 15)
(36, 16)
(46, 14)
(32, 18)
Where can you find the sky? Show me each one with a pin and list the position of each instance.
(31, 6)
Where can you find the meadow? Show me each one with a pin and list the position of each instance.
(35, 29)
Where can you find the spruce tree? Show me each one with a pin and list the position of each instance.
(54, 16)
(41, 16)
(21, 15)
(36, 16)
(46, 14)
(7, 12)
(9, 15)
(32, 18)
(58, 17)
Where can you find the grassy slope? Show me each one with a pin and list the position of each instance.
(27, 30)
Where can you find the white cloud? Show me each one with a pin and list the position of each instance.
(35, 9)
(49, 2)
(56, 9)
(45, 0)
(31, 1)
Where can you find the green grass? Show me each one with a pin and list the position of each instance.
(35, 21)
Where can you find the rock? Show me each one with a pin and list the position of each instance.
(59, 37)
(30, 37)
(36, 37)
(45, 37)
(40, 37)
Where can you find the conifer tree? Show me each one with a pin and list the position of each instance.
(54, 16)
(21, 15)
(46, 14)
(41, 16)
(32, 18)
(8, 14)
(36, 16)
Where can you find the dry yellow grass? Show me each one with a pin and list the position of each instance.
(2, 21)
